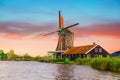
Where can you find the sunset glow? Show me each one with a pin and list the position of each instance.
(24, 22)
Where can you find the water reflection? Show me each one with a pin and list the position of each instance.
(87, 73)
(65, 72)
(28, 70)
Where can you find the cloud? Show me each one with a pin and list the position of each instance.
(109, 29)
(17, 30)
(12, 36)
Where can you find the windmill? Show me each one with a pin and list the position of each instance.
(66, 37)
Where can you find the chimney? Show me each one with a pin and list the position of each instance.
(94, 43)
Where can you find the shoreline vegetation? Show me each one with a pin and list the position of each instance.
(101, 63)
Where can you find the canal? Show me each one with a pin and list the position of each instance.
(30, 70)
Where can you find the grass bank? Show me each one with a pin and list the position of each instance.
(110, 64)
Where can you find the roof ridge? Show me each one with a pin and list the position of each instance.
(86, 45)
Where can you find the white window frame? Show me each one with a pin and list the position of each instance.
(79, 55)
(89, 55)
(100, 49)
(96, 49)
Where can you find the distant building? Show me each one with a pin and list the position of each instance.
(93, 50)
(115, 54)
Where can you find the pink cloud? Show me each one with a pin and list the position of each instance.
(111, 30)
(16, 30)
(19, 30)
(11, 36)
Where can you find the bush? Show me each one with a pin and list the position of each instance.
(11, 55)
(83, 61)
(44, 59)
(3, 56)
(112, 64)
(37, 58)
(59, 60)
(100, 63)
(27, 57)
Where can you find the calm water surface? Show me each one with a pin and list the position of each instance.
(28, 70)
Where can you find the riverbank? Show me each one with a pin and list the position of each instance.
(108, 63)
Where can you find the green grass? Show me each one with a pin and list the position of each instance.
(110, 64)
(83, 61)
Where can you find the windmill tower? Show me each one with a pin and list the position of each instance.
(66, 37)
(65, 41)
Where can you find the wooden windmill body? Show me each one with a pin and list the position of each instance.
(65, 42)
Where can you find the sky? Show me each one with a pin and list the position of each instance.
(24, 22)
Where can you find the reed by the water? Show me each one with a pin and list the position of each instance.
(109, 63)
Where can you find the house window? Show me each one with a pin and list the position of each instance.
(76, 55)
(100, 49)
(96, 55)
(79, 55)
(71, 55)
(83, 55)
(66, 55)
(96, 49)
(88, 55)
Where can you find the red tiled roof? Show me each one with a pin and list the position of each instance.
(80, 49)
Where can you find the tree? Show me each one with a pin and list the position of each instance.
(3, 56)
(11, 55)
(37, 58)
(26, 57)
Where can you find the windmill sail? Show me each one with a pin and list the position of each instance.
(65, 42)
(61, 20)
